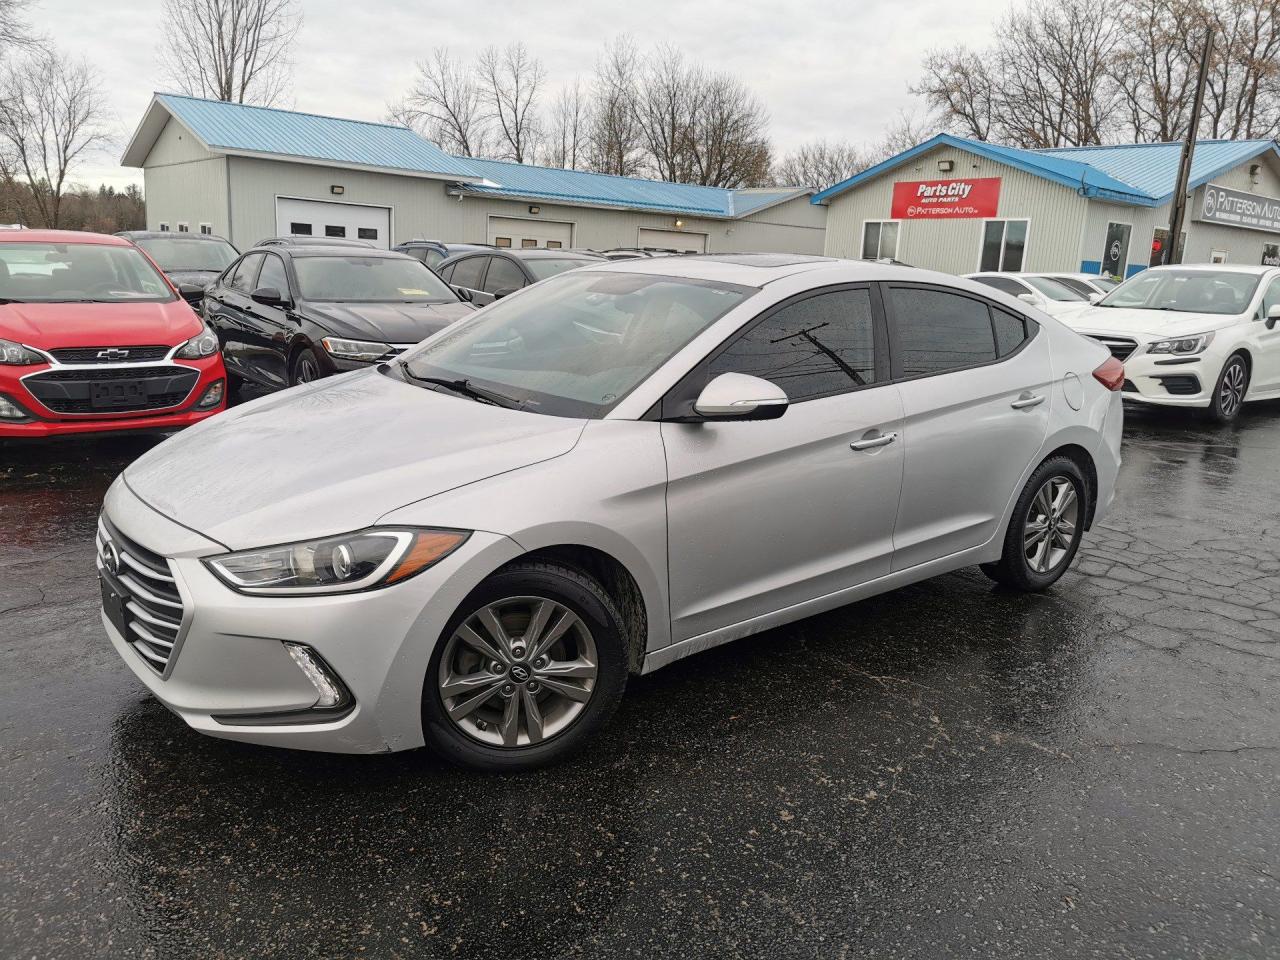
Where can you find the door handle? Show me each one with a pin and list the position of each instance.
(883, 440)
(1027, 400)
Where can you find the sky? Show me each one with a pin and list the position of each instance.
(833, 70)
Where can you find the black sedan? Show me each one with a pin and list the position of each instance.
(190, 258)
(486, 275)
(288, 315)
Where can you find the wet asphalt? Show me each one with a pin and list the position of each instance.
(948, 770)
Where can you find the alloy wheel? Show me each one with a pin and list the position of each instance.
(307, 370)
(1231, 390)
(518, 672)
(1052, 523)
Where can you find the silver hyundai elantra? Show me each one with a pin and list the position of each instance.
(474, 545)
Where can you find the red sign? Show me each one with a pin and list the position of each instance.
(945, 199)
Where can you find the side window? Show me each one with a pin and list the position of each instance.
(821, 345)
(469, 272)
(447, 273)
(1011, 287)
(432, 258)
(1271, 297)
(939, 331)
(503, 275)
(1011, 330)
(273, 275)
(246, 273)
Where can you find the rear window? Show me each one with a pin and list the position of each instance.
(173, 253)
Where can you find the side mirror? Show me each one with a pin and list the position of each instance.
(268, 296)
(1273, 315)
(1030, 298)
(1095, 297)
(504, 292)
(193, 293)
(464, 293)
(737, 396)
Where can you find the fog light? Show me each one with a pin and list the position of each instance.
(330, 689)
(213, 396)
(10, 410)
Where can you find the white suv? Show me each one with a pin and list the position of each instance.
(1205, 336)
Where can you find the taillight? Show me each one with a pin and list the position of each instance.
(1110, 374)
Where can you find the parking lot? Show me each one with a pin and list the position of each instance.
(947, 770)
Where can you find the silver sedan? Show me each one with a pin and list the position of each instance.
(474, 546)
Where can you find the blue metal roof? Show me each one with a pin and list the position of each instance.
(265, 130)
(752, 199)
(1141, 174)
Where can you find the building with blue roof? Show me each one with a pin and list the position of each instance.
(963, 205)
(248, 173)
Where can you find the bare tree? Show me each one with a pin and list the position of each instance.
(728, 139)
(510, 80)
(960, 88)
(1154, 69)
(1242, 97)
(566, 139)
(665, 100)
(51, 114)
(446, 105)
(14, 30)
(821, 163)
(616, 137)
(235, 50)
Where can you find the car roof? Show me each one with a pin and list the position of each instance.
(1252, 268)
(61, 236)
(363, 253)
(168, 235)
(303, 240)
(758, 269)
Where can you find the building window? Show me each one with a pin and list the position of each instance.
(164, 228)
(1217, 256)
(332, 231)
(184, 228)
(502, 241)
(553, 244)
(1159, 243)
(1004, 244)
(300, 229)
(880, 240)
(1115, 252)
(528, 242)
(206, 228)
(367, 233)
(1271, 254)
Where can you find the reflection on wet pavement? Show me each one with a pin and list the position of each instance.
(946, 770)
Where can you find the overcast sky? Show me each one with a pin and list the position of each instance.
(835, 70)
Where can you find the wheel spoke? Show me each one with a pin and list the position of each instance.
(1041, 559)
(1064, 500)
(466, 707)
(456, 686)
(1068, 527)
(580, 669)
(537, 623)
(474, 640)
(491, 623)
(510, 726)
(577, 694)
(532, 716)
(561, 627)
(1035, 534)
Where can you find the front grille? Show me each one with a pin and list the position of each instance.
(71, 390)
(1120, 347)
(110, 354)
(153, 612)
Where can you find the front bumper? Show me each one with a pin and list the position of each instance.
(1163, 379)
(230, 663)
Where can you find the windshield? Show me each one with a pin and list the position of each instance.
(173, 253)
(357, 279)
(79, 272)
(1106, 283)
(541, 269)
(1185, 291)
(576, 345)
(1053, 289)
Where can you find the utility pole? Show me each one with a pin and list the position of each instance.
(1179, 207)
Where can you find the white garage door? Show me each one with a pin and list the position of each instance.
(514, 232)
(322, 218)
(673, 240)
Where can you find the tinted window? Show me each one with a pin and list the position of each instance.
(815, 347)
(1271, 297)
(246, 272)
(939, 331)
(332, 231)
(273, 275)
(1010, 331)
(178, 254)
(300, 229)
(447, 273)
(1011, 287)
(469, 272)
(1079, 286)
(503, 275)
(432, 257)
(366, 233)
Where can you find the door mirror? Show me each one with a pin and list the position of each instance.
(1095, 297)
(504, 292)
(1030, 298)
(737, 396)
(268, 296)
(193, 293)
(464, 293)
(1273, 316)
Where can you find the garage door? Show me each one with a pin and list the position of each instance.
(322, 218)
(514, 232)
(673, 240)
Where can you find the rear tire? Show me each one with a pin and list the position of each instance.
(542, 687)
(1045, 528)
(1229, 392)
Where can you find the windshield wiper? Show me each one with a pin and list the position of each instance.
(464, 388)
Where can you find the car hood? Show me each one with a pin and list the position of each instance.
(1145, 323)
(52, 326)
(387, 322)
(200, 278)
(334, 456)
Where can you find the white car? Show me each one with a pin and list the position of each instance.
(1092, 286)
(1205, 336)
(1054, 298)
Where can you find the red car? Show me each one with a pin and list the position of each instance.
(94, 338)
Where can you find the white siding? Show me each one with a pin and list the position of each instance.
(183, 182)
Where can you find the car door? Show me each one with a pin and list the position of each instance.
(504, 277)
(765, 514)
(1265, 375)
(270, 328)
(468, 273)
(230, 317)
(975, 383)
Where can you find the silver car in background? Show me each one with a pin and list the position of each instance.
(474, 545)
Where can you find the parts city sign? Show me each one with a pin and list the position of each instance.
(945, 199)
(1239, 209)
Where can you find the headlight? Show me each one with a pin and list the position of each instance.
(205, 344)
(18, 355)
(356, 349)
(376, 557)
(1182, 346)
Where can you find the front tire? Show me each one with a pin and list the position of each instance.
(529, 668)
(1045, 528)
(1230, 390)
(305, 368)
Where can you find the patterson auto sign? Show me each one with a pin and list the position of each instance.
(1240, 209)
(945, 199)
